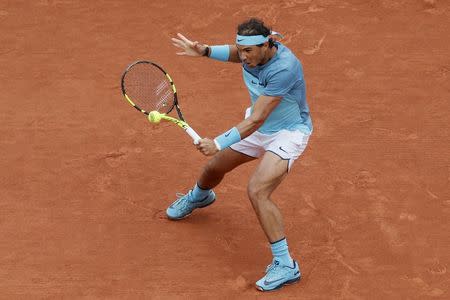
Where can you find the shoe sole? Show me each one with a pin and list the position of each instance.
(185, 216)
(289, 282)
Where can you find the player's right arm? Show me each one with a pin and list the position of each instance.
(197, 49)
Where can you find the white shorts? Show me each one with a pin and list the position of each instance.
(288, 145)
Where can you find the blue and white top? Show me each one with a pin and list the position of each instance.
(281, 76)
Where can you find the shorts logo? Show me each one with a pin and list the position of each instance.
(283, 150)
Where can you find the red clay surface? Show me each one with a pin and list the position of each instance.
(85, 179)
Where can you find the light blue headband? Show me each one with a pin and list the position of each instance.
(252, 40)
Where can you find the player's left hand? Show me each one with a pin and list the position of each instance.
(189, 47)
(207, 147)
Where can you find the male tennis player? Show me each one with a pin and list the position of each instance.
(276, 129)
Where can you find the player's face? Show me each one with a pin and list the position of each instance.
(252, 55)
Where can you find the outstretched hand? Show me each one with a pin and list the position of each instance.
(189, 47)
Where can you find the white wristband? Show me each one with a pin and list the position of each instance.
(217, 145)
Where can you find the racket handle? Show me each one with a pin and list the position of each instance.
(193, 135)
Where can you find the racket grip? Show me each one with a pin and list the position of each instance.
(193, 135)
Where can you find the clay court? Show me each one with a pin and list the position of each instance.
(85, 179)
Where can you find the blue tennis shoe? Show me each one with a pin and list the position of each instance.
(185, 205)
(278, 275)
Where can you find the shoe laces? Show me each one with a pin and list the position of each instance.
(180, 195)
(180, 199)
(274, 265)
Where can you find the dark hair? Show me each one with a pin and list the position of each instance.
(255, 26)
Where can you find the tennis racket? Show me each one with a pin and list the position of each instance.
(150, 89)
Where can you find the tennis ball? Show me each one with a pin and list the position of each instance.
(154, 117)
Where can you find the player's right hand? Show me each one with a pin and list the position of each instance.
(189, 47)
(207, 147)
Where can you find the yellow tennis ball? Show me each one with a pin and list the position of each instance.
(154, 117)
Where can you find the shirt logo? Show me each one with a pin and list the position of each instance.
(258, 83)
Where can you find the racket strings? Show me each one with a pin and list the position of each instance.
(165, 99)
(161, 87)
(148, 87)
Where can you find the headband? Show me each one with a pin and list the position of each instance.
(252, 40)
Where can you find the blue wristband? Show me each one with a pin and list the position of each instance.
(228, 138)
(221, 53)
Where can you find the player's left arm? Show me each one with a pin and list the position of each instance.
(261, 110)
(279, 83)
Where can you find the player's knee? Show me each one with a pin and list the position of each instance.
(212, 169)
(255, 192)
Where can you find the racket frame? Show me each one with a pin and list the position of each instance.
(180, 122)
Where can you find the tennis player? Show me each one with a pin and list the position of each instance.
(276, 130)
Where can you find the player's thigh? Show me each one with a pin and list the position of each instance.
(268, 175)
(226, 160)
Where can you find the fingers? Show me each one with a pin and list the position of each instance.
(202, 146)
(206, 147)
(184, 39)
(178, 46)
(190, 48)
(177, 43)
(205, 152)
